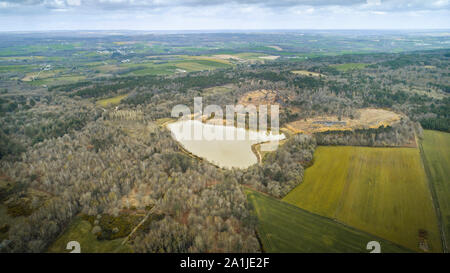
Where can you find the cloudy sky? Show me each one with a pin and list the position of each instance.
(222, 14)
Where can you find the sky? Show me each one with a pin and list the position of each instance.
(41, 15)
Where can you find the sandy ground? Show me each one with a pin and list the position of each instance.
(227, 57)
(276, 48)
(366, 118)
(269, 57)
(258, 97)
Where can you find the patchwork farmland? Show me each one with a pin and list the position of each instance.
(436, 156)
(382, 191)
(87, 152)
(285, 228)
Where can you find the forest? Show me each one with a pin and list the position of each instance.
(62, 155)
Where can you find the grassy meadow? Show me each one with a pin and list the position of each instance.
(80, 230)
(111, 101)
(284, 228)
(85, 68)
(436, 148)
(382, 191)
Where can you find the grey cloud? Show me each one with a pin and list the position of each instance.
(382, 5)
(186, 3)
(24, 2)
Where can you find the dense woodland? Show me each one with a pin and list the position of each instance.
(283, 169)
(398, 135)
(85, 159)
(187, 192)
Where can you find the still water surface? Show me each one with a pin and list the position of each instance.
(214, 145)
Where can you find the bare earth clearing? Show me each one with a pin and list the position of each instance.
(258, 97)
(365, 118)
(276, 48)
(269, 57)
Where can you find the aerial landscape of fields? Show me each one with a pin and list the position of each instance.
(435, 149)
(245, 140)
(285, 228)
(383, 191)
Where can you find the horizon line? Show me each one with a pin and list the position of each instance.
(227, 30)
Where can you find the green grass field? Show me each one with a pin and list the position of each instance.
(382, 191)
(217, 90)
(57, 80)
(160, 70)
(283, 227)
(80, 230)
(17, 68)
(111, 101)
(199, 65)
(436, 147)
(189, 64)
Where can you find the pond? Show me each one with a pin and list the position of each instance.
(224, 146)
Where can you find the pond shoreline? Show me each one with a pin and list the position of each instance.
(217, 150)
